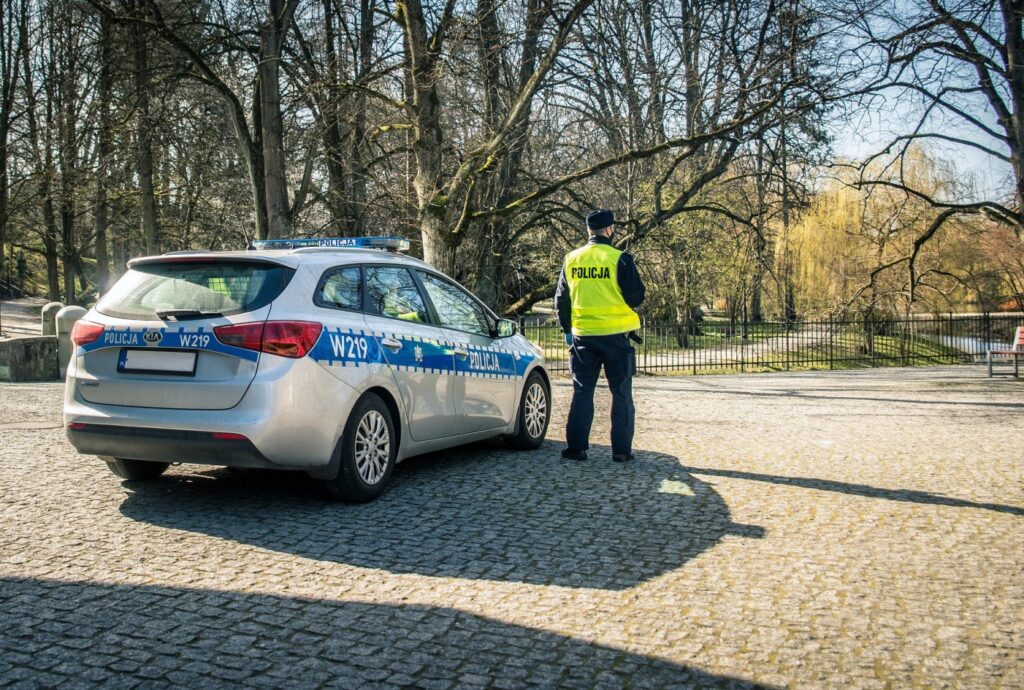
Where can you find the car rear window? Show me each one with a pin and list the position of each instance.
(191, 289)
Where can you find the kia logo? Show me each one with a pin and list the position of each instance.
(153, 337)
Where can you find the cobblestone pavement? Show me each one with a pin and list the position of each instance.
(849, 529)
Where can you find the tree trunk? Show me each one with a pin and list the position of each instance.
(333, 134)
(759, 240)
(1013, 19)
(357, 137)
(681, 297)
(144, 133)
(3, 195)
(3, 205)
(67, 157)
(254, 159)
(438, 244)
(421, 70)
(268, 83)
(438, 248)
(52, 268)
(67, 224)
(42, 159)
(120, 252)
(13, 36)
(4, 118)
(691, 64)
(103, 158)
(487, 286)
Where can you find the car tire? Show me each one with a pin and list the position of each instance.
(136, 470)
(534, 414)
(367, 453)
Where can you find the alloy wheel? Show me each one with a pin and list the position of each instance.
(373, 447)
(536, 410)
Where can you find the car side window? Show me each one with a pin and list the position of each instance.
(455, 307)
(392, 292)
(341, 288)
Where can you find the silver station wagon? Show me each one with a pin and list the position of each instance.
(335, 357)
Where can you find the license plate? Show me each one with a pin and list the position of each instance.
(174, 362)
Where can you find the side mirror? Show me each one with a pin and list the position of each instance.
(507, 328)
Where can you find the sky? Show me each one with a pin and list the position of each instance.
(893, 112)
(871, 132)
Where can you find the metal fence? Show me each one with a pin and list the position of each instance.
(731, 347)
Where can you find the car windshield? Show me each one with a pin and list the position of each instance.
(189, 289)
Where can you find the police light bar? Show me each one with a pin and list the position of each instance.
(393, 243)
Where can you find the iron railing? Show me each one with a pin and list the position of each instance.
(719, 346)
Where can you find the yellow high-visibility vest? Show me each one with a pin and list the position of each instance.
(598, 307)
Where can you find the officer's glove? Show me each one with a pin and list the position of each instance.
(568, 339)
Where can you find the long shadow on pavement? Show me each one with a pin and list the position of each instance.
(905, 495)
(477, 512)
(821, 394)
(56, 633)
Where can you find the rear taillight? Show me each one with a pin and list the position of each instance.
(284, 338)
(84, 333)
(228, 436)
(290, 338)
(245, 335)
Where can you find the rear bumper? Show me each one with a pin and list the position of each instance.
(292, 415)
(166, 445)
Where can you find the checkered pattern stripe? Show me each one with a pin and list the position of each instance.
(360, 347)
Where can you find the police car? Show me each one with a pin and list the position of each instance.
(334, 357)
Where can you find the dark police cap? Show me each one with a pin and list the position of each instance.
(602, 218)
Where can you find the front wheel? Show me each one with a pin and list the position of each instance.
(534, 414)
(135, 470)
(368, 451)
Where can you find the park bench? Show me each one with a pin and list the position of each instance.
(1016, 351)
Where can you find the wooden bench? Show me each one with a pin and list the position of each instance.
(1017, 351)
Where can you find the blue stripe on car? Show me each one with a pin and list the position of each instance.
(181, 339)
(347, 347)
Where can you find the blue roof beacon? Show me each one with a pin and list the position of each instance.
(389, 243)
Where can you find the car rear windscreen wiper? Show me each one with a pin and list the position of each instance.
(181, 314)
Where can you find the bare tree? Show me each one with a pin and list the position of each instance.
(679, 97)
(444, 198)
(261, 144)
(959, 64)
(336, 74)
(13, 35)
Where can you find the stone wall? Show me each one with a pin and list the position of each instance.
(29, 359)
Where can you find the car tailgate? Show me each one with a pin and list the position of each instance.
(180, 365)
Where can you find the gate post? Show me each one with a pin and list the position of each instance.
(988, 333)
(831, 331)
(643, 336)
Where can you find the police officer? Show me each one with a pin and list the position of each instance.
(597, 292)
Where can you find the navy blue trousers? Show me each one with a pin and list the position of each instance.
(586, 357)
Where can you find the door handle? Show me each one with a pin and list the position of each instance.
(391, 344)
(459, 352)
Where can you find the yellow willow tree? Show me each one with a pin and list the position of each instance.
(860, 249)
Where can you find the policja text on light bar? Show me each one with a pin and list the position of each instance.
(393, 243)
